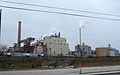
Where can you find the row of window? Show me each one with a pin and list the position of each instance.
(59, 40)
(59, 44)
(56, 40)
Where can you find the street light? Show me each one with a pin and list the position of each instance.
(79, 46)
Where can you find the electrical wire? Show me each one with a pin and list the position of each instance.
(62, 13)
(60, 8)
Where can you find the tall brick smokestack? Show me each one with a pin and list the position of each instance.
(19, 33)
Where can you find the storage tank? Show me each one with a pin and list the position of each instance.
(111, 53)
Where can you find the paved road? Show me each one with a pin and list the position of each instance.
(85, 71)
(114, 74)
(41, 72)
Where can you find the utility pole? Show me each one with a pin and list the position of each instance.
(80, 47)
(80, 50)
(0, 28)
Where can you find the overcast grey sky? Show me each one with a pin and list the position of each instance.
(96, 32)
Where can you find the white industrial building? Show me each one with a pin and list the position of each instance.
(56, 46)
(83, 49)
(38, 50)
(113, 51)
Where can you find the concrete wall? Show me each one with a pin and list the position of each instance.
(56, 46)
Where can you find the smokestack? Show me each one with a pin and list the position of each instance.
(59, 34)
(19, 33)
(0, 25)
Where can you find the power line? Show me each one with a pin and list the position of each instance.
(60, 8)
(62, 13)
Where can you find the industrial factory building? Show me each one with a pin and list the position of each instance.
(39, 48)
(26, 46)
(106, 51)
(52, 45)
(83, 50)
(55, 45)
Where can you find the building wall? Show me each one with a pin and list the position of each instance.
(102, 52)
(38, 50)
(106, 51)
(84, 48)
(116, 52)
(56, 46)
(111, 53)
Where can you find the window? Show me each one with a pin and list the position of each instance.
(60, 43)
(50, 43)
